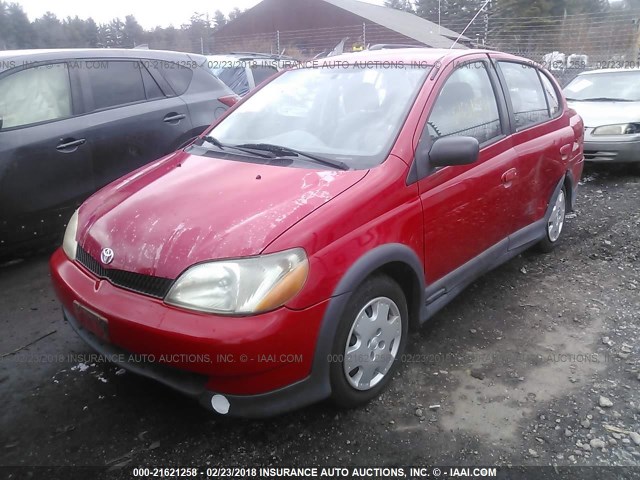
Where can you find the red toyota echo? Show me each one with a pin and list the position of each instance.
(283, 257)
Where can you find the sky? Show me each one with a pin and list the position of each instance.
(149, 14)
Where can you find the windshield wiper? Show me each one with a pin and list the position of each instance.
(290, 152)
(217, 143)
(605, 99)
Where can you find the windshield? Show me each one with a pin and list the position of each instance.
(624, 86)
(349, 114)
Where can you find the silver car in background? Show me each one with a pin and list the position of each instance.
(609, 103)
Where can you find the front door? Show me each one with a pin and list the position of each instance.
(45, 162)
(132, 121)
(468, 210)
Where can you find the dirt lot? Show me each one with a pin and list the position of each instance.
(537, 363)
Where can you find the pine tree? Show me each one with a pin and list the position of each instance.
(132, 32)
(404, 5)
(219, 19)
(235, 13)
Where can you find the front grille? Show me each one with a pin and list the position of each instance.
(157, 287)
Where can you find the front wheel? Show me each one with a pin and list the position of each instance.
(555, 223)
(370, 339)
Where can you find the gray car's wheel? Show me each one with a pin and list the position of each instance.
(555, 223)
(369, 341)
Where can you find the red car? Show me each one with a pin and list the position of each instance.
(282, 258)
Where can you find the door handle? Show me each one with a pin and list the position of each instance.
(174, 117)
(509, 176)
(565, 151)
(69, 145)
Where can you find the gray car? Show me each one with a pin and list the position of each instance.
(72, 121)
(609, 103)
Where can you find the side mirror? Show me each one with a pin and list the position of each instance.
(451, 151)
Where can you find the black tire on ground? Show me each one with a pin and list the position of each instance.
(343, 394)
(550, 242)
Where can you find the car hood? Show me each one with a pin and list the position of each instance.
(596, 114)
(186, 209)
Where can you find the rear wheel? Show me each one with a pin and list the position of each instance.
(555, 223)
(370, 339)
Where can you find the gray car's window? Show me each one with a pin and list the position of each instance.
(178, 76)
(527, 96)
(115, 83)
(35, 95)
(466, 106)
(151, 87)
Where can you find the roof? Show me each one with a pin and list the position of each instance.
(15, 58)
(405, 23)
(422, 56)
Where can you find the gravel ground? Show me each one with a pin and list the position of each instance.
(537, 363)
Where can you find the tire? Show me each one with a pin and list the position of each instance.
(384, 338)
(555, 223)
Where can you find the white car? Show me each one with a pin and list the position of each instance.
(609, 103)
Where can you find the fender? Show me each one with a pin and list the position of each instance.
(556, 192)
(571, 191)
(357, 273)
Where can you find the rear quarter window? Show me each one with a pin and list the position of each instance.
(177, 76)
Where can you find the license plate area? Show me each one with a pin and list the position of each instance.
(91, 321)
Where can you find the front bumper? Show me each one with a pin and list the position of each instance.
(610, 151)
(260, 364)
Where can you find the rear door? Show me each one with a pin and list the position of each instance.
(205, 97)
(132, 120)
(542, 137)
(467, 209)
(45, 162)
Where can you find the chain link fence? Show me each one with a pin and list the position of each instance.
(565, 45)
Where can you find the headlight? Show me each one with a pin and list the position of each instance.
(69, 244)
(621, 129)
(241, 287)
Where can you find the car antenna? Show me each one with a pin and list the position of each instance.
(469, 24)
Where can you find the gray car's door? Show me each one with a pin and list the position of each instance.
(132, 120)
(45, 162)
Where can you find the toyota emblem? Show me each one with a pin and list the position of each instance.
(107, 256)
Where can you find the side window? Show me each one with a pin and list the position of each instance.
(262, 73)
(527, 96)
(115, 83)
(178, 76)
(151, 87)
(466, 106)
(35, 95)
(552, 95)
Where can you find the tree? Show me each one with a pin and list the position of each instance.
(235, 13)
(404, 5)
(19, 31)
(50, 32)
(219, 19)
(454, 14)
(132, 32)
(90, 33)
